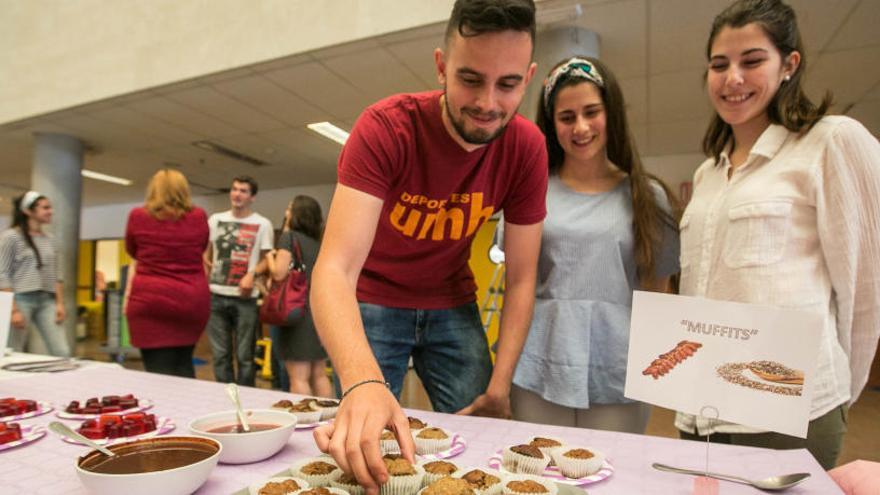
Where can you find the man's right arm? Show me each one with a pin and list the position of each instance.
(353, 438)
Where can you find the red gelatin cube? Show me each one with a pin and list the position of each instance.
(128, 403)
(137, 417)
(9, 436)
(127, 396)
(91, 410)
(110, 400)
(6, 411)
(132, 429)
(110, 409)
(28, 405)
(3, 426)
(7, 400)
(149, 424)
(108, 419)
(90, 423)
(92, 433)
(114, 430)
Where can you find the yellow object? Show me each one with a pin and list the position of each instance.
(264, 362)
(483, 270)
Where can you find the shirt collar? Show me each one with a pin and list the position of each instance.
(767, 145)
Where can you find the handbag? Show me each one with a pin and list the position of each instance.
(287, 300)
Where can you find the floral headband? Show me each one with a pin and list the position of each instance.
(574, 67)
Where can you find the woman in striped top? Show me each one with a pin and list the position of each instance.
(29, 268)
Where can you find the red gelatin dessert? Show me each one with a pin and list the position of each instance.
(106, 405)
(9, 432)
(117, 426)
(10, 406)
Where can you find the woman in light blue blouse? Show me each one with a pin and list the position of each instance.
(609, 230)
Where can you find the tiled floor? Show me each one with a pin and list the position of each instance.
(861, 442)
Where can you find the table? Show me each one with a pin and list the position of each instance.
(46, 466)
(23, 357)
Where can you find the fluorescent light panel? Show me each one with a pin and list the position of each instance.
(106, 178)
(329, 131)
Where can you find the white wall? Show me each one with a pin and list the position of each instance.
(60, 54)
(674, 169)
(108, 221)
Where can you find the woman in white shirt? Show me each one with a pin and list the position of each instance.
(785, 212)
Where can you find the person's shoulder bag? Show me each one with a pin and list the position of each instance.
(287, 300)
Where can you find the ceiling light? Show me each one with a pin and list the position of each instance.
(106, 178)
(228, 152)
(329, 131)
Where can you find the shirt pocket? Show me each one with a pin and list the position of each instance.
(757, 233)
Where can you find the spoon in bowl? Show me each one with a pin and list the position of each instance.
(771, 483)
(232, 390)
(65, 431)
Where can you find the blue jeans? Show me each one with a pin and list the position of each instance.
(233, 317)
(280, 380)
(38, 307)
(448, 347)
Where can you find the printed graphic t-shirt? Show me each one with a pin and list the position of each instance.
(236, 244)
(436, 196)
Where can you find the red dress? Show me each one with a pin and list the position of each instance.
(169, 303)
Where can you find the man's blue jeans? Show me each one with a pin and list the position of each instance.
(38, 307)
(448, 347)
(233, 316)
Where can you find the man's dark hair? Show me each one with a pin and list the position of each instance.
(250, 181)
(476, 17)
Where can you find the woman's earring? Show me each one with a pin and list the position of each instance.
(787, 77)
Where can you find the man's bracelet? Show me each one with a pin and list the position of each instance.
(364, 382)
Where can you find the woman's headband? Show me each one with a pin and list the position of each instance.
(28, 200)
(574, 67)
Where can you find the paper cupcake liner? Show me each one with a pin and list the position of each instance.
(431, 477)
(306, 418)
(314, 479)
(389, 447)
(332, 489)
(254, 489)
(403, 485)
(518, 463)
(432, 445)
(549, 485)
(578, 468)
(489, 490)
(350, 489)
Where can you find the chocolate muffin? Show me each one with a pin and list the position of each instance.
(579, 454)
(304, 407)
(416, 423)
(279, 488)
(328, 403)
(432, 434)
(526, 486)
(398, 466)
(347, 479)
(544, 442)
(528, 450)
(283, 404)
(317, 491)
(480, 479)
(449, 486)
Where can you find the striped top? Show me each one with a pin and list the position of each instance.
(18, 264)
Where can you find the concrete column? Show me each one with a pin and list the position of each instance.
(551, 47)
(56, 174)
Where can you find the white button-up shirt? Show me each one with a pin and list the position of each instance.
(796, 226)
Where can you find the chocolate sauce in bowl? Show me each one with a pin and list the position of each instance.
(148, 456)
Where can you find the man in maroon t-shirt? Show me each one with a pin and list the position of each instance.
(418, 176)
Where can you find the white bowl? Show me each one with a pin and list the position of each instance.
(182, 480)
(243, 448)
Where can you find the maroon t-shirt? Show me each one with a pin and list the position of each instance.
(436, 196)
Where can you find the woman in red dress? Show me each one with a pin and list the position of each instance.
(167, 302)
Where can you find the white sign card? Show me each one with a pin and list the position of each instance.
(754, 364)
(5, 317)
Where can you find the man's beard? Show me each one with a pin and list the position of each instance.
(477, 136)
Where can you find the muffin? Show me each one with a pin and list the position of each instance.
(282, 404)
(306, 411)
(328, 408)
(547, 445)
(432, 440)
(448, 486)
(388, 443)
(347, 483)
(485, 481)
(278, 486)
(528, 485)
(435, 470)
(403, 477)
(525, 458)
(318, 471)
(578, 462)
(416, 423)
(321, 490)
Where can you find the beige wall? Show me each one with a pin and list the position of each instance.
(57, 54)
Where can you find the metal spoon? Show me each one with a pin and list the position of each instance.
(771, 483)
(65, 431)
(232, 390)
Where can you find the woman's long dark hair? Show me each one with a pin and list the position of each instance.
(648, 217)
(20, 221)
(790, 106)
(306, 217)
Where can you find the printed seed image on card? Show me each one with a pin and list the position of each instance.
(753, 364)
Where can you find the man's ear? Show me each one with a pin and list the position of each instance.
(530, 73)
(440, 64)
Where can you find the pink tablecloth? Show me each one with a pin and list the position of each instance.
(46, 466)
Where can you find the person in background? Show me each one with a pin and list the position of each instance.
(785, 212)
(239, 239)
(30, 268)
(610, 230)
(298, 344)
(166, 300)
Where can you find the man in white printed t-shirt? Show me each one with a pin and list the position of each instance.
(239, 239)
